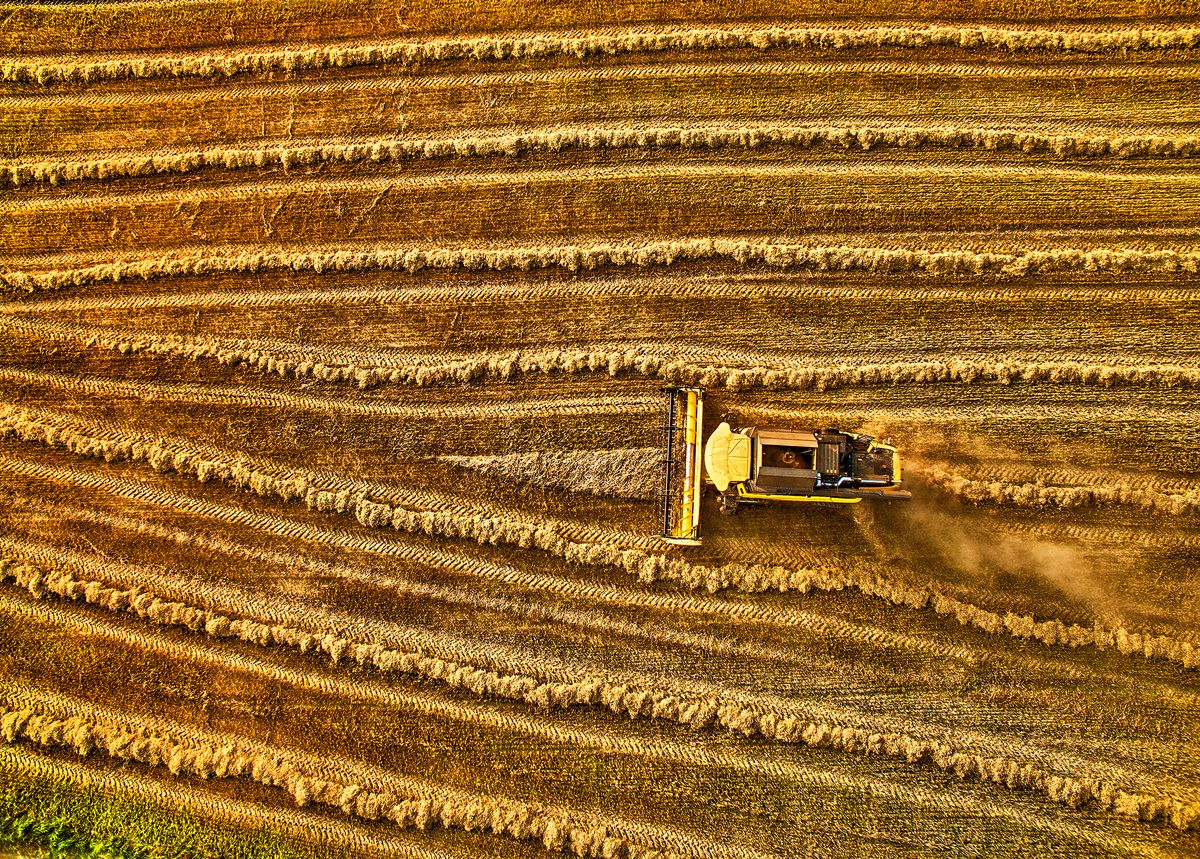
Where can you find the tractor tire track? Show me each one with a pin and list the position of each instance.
(647, 566)
(180, 796)
(691, 751)
(45, 70)
(574, 258)
(373, 367)
(780, 726)
(359, 790)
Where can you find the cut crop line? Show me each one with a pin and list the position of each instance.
(899, 414)
(574, 258)
(849, 137)
(690, 751)
(672, 603)
(259, 190)
(182, 600)
(702, 710)
(340, 492)
(44, 70)
(359, 790)
(234, 395)
(1083, 238)
(1009, 471)
(664, 362)
(221, 94)
(744, 285)
(180, 796)
(1040, 494)
(647, 566)
(488, 571)
(236, 599)
(485, 669)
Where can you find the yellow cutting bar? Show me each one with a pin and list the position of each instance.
(684, 466)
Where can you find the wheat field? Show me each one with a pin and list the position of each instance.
(332, 337)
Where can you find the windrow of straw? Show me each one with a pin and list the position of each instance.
(194, 753)
(148, 163)
(303, 363)
(1039, 494)
(541, 727)
(26, 764)
(702, 713)
(1020, 470)
(782, 255)
(816, 624)
(493, 529)
(526, 46)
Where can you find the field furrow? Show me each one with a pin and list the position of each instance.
(418, 116)
(779, 721)
(333, 465)
(661, 360)
(63, 272)
(783, 199)
(687, 754)
(49, 69)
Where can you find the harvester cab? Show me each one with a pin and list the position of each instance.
(754, 465)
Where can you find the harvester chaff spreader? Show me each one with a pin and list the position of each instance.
(754, 465)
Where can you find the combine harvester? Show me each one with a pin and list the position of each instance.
(759, 466)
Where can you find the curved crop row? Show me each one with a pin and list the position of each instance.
(23, 762)
(644, 703)
(625, 597)
(259, 397)
(523, 46)
(650, 253)
(1038, 494)
(622, 285)
(1015, 470)
(661, 362)
(150, 163)
(615, 738)
(207, 462)
(325, 622)
(822, 626)
(206, 755)
(647, 566)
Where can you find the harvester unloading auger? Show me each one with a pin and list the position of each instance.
(754, 465)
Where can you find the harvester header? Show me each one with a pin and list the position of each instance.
(684, 466)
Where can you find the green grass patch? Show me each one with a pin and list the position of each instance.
(61, 818)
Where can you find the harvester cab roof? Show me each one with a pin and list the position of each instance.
(756, 465)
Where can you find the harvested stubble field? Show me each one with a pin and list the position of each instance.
(331, 339)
